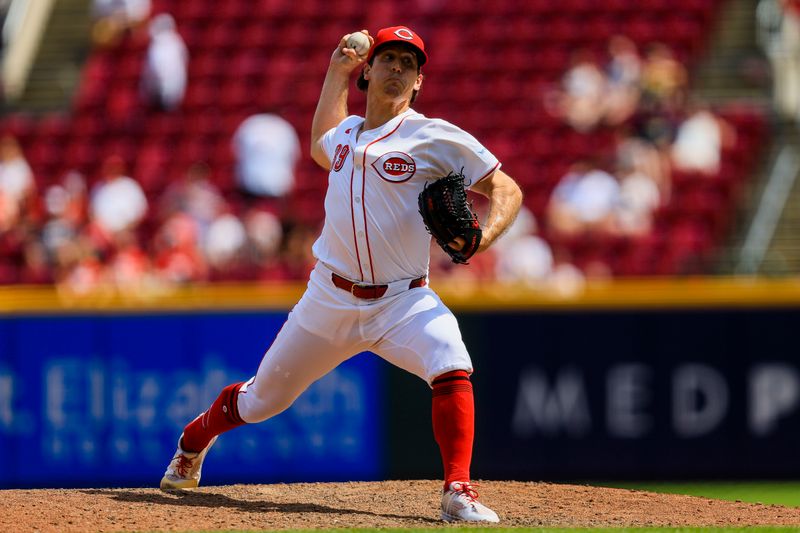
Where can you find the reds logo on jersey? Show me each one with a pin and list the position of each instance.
(339, 156)
(396, 167)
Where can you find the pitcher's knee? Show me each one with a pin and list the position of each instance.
(256, 406)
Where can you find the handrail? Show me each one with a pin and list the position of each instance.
(770, 208)
(24, 31)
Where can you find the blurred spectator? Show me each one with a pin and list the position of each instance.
(623, 74)
(196, 196)
(165, 68)
(76, 200)
(36, 268)
(645, 183)
(664, 79)
(525, 258)
(639, 199)
(82, 270)
(481, 268)
(264, 239)
(521, 255)
(584, 202)
(779, 37)
(700, 140)
(178, 255)
(16, 181)
(225, 243)
(267, 150)
(638, 155)
(66, 211)
(581, 99)
(129, 269)
(117, 202)
(114, 17)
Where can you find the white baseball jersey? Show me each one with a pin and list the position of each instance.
(374, 234)
(373, 231)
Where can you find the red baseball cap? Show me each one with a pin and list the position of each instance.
(400, 34)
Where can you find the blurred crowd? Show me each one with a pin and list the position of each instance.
(642, 97)
(107, 233)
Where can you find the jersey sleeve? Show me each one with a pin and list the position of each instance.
(455, 148)
(328, 140)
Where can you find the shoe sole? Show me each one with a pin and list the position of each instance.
(451, 518)
(167, 484)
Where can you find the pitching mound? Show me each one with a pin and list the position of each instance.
(385, 504)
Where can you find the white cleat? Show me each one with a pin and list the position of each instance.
(184, 470)
(460, 504)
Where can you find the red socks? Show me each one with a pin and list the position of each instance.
(223, 415)
(454, 423)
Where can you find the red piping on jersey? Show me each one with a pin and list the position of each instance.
(363, 190)
(488, 173)
(353, 218)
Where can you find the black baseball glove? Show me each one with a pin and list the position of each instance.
(447, 215)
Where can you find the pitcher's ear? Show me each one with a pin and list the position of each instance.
(418, 84)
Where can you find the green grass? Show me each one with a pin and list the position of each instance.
(770, 492)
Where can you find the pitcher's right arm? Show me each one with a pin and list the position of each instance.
(332, 105)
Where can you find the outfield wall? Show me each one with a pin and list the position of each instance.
(101, 399)
(683, 379)
(670, 394)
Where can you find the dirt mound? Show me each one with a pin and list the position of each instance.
(381, 504)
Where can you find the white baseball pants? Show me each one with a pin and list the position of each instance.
(410, 328)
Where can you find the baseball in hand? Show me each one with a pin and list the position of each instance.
(358, 42)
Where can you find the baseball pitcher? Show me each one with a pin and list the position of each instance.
(395, 178)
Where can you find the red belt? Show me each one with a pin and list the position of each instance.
(368, 292)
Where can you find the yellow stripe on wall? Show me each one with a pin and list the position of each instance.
(651, 293)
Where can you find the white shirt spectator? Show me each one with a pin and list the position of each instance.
(267, 149)
(585, 80)
(529, 260)
(592, 196)
(521, 255)
(118, 204)
(698, 144)
(16, 179)
(165, 69)
(226, 237)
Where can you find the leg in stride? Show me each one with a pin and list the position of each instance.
(453, 411)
